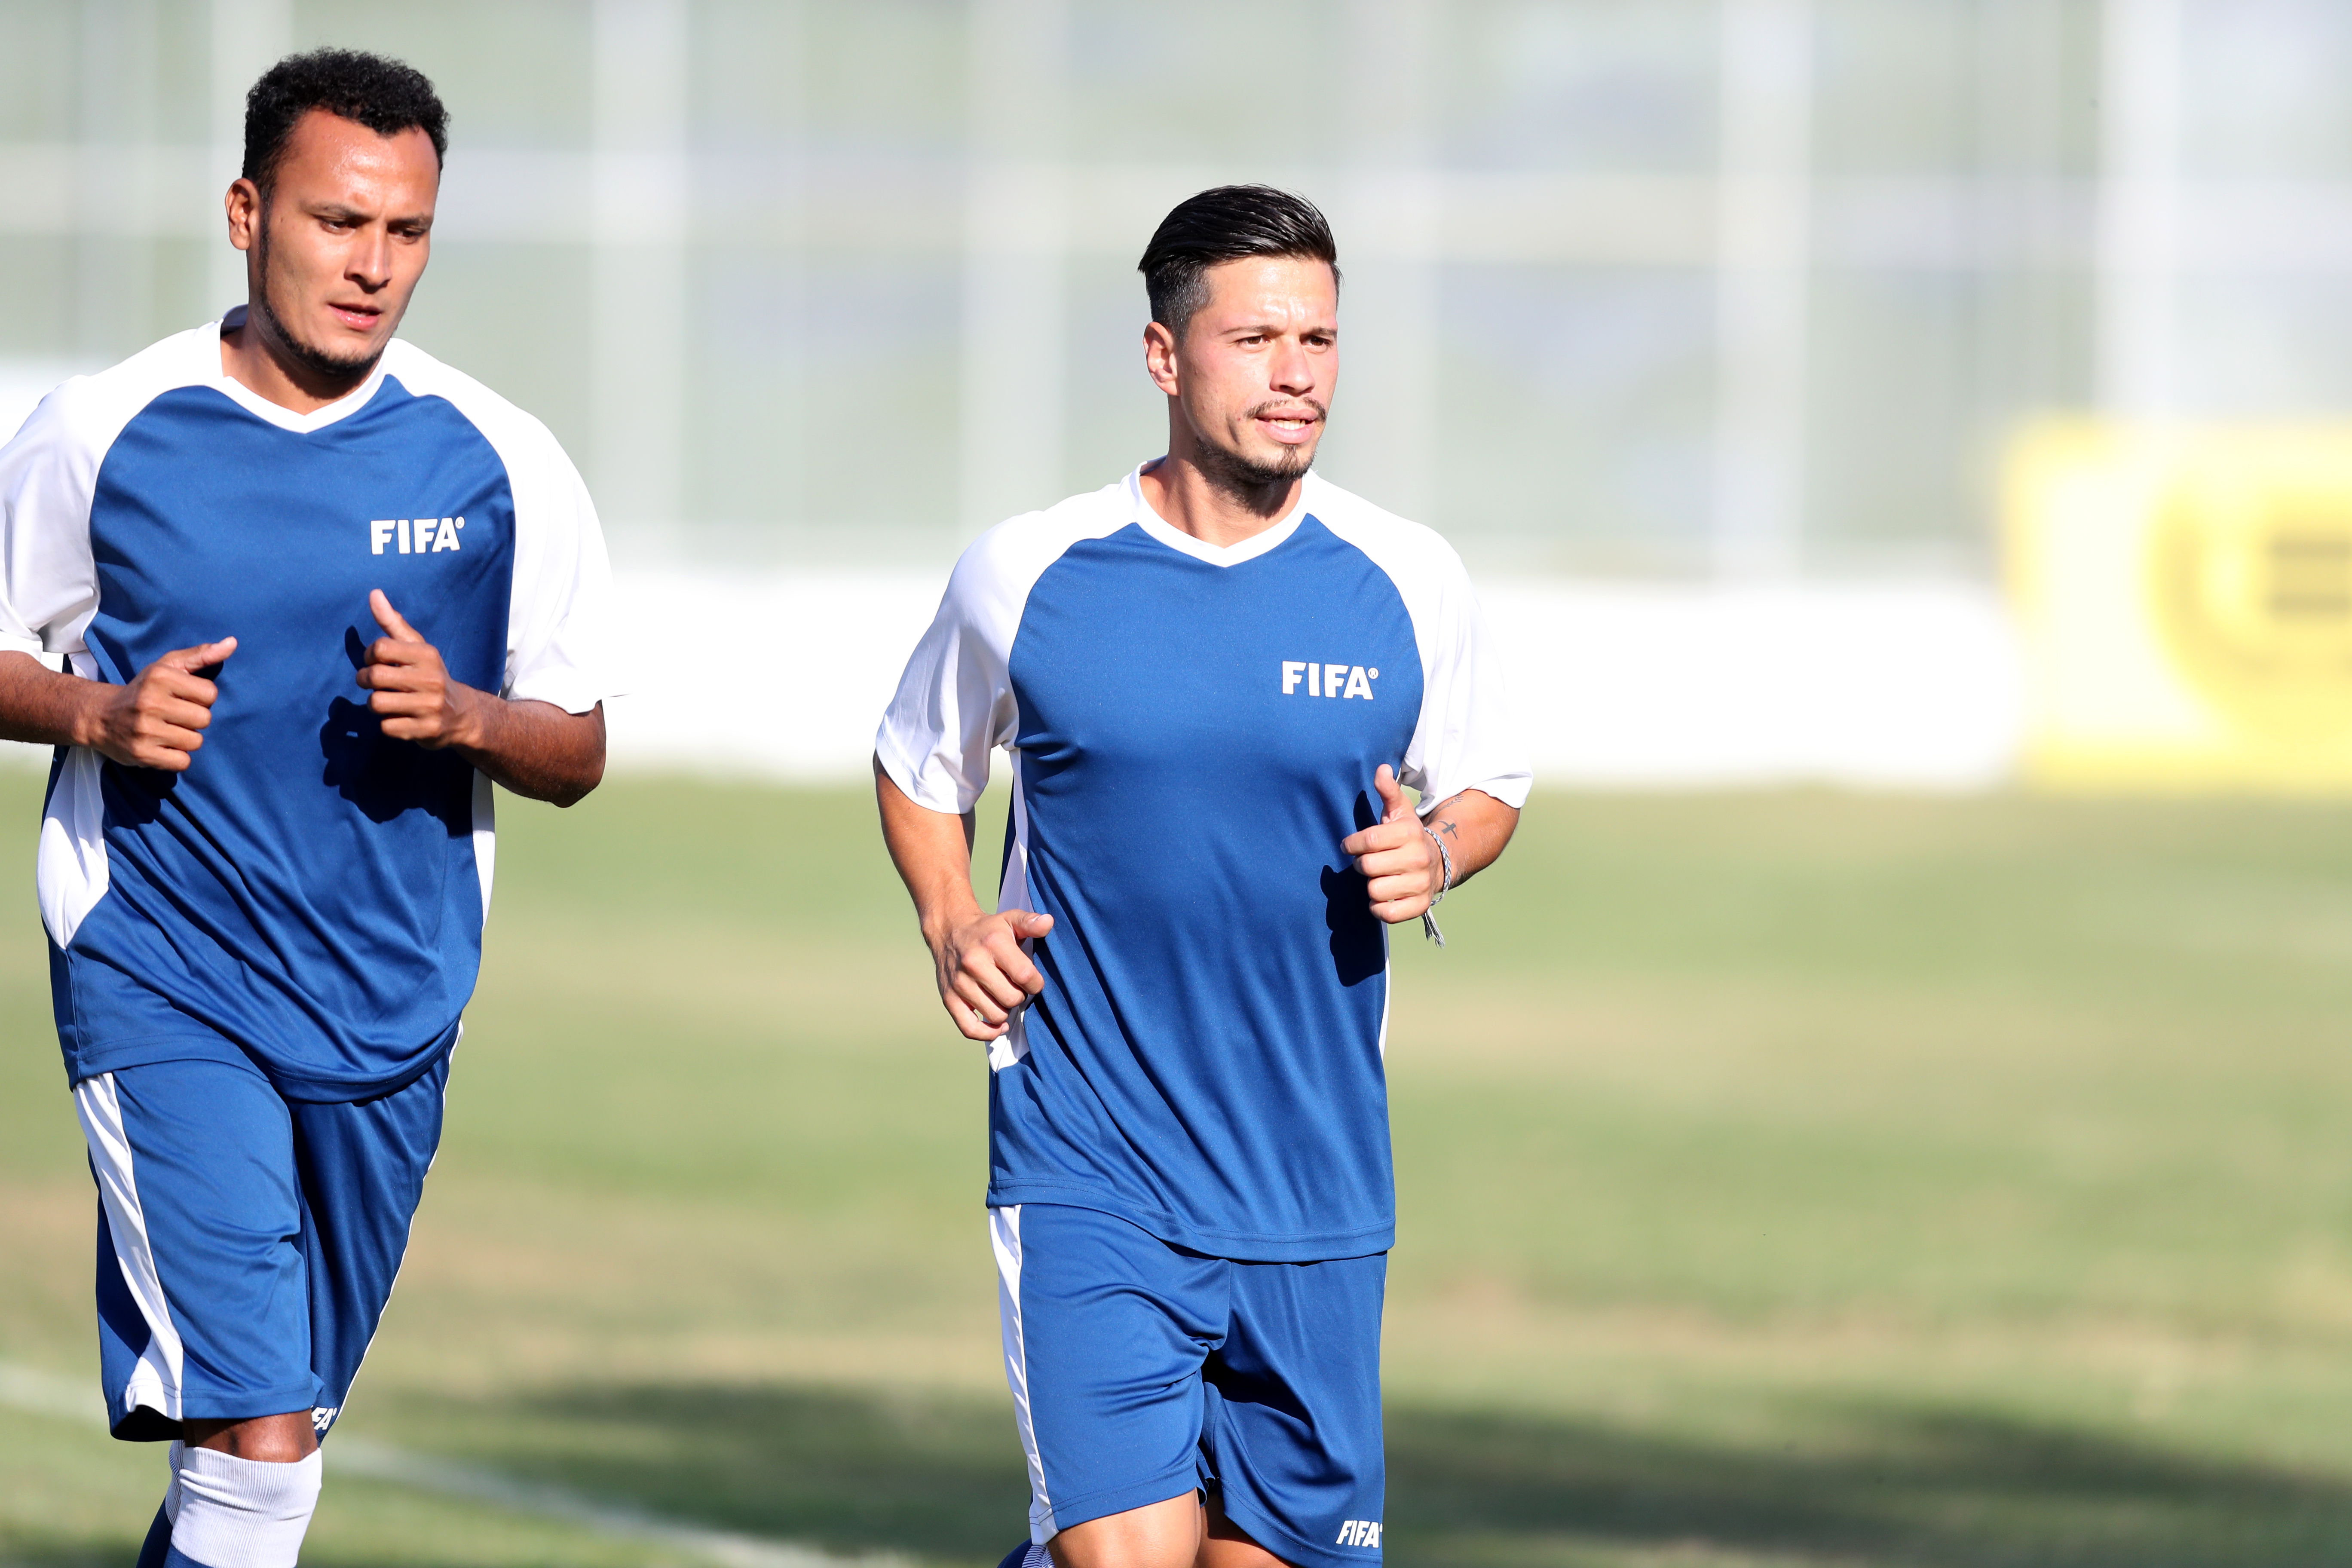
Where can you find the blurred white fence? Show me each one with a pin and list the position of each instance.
(1901, 686)
(1910, 686)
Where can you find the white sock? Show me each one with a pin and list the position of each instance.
(1038, 1556)
(242, 1513)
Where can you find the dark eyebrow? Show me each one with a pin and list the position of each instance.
(335, 212)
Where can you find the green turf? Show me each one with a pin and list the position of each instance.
(1784, 1178)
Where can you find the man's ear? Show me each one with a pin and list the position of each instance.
(243, 206)
(1160, 358)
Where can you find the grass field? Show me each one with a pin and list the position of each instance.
(1784, 1180)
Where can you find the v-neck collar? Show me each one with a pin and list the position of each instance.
(261, 407)
(1176, 538)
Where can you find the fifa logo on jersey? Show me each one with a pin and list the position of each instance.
(1328, 680)
(1360, 1533)
(415, 535)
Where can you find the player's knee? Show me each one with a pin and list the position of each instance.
(272, 1439)
(242, 1513)
(1158, 1535)
(1124, 1552)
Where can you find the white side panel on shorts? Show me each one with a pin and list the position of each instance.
(486, 836)
(156, 1381)
(1004, 1238)
(173, 1457)
(71, 870)
(1014, 894)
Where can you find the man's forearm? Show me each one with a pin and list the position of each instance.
(932, 851)
(42, 706)
(983, 975)
(534, 749)
(1475, 827)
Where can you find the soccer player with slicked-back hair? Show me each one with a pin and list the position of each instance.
(1214, 678)
(314, 593)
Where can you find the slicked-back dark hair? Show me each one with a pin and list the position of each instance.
(386, 96)
(1226, 223)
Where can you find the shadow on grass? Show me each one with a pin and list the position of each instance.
(1906, 1486)
(44, 1552)
(1901, 1486)
(939, 1477)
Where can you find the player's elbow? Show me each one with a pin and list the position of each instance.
(584, 768)
(582, 782)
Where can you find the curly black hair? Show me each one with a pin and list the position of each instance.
(386, 96)
(1226, 223)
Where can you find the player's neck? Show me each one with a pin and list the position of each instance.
(250, 358)
(1190, 501)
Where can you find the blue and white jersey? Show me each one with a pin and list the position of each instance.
(308, 895)
(1193, 730)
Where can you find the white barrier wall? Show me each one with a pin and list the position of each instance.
(1912, 686)
(779, 677)
(1902, 686)
(1907, 687)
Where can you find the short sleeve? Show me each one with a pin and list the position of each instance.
(1466, 738)
(560, 633)
(954, 703)
(48, 584)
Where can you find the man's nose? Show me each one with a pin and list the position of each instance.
(371, 264)
(1293, 369)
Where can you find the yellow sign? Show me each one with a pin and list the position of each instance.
(2185, 596)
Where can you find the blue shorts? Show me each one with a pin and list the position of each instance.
(1142, 1370)
(246, 1242)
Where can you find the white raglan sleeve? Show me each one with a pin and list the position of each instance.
(1468, 737)
(48, 584)
(954, 703)
(562, 640)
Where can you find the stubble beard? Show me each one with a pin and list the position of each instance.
(346, 371)
(1249, 479)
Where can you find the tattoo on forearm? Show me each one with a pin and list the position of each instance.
(1445, 823)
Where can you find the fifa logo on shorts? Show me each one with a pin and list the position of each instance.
(1329, 680)
(1360, 1533)
(415, 535)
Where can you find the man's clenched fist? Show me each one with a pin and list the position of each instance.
(157, 719)
(1403, 869)
(414, 696)
(983, 975)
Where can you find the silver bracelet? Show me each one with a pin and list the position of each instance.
(1445, 859)
(1445, 885)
